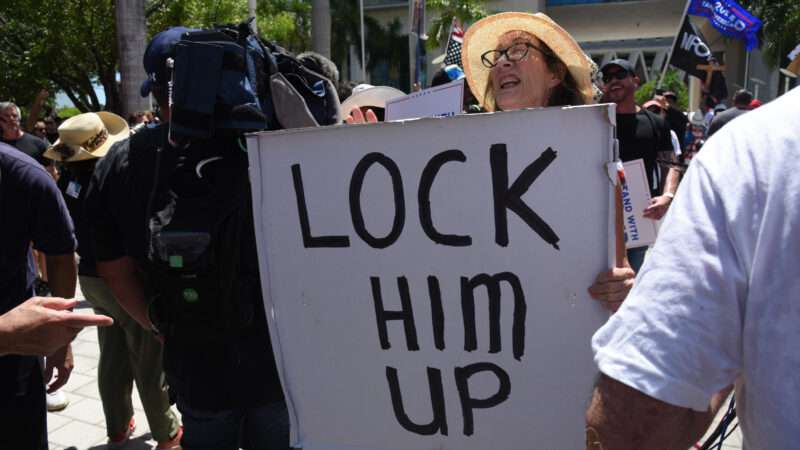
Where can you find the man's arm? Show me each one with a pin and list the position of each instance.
(63, 274)
(125, 282)
(659, 205)
(620, 417)
(43, 325)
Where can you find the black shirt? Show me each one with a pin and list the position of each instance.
(677, 122)
(238, 371)
(73, 183)
(31, 146)
(31, 211)
(641, 136)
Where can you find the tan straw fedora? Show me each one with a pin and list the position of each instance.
(87, 136)
(484, 35)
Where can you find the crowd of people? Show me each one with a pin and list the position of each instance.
(701, 310)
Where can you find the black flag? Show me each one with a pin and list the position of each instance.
(690, 50)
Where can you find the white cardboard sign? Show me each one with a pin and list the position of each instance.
(426, 281)
(639, 231)
(440, 101)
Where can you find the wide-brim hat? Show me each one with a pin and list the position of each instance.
(484, 35)
(87, 136)
(366, 95)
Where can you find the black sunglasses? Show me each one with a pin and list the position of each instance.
(516, 52)
(618, 75)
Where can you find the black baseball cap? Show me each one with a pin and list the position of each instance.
(621, 63)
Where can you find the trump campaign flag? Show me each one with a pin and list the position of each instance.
(729, 18)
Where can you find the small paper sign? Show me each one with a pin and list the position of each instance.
(440, 101)
(639, 231)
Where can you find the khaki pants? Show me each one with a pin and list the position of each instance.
(127, 353)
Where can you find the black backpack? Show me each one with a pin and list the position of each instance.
(227, 81)
(201, 269)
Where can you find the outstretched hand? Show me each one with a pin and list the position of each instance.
(658, 207)
(43, 326)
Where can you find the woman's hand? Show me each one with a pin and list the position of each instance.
(612, 286)
(356, 116)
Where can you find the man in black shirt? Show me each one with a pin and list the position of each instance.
(226, 383)
(641, 135)
(31, 211)
(15, 137)
(676, 119)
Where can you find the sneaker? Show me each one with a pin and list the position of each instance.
(121, 439)
(174, 443)
(56, 401)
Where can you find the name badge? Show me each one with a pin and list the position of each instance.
(73, 189)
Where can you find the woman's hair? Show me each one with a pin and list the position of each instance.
(566, 93)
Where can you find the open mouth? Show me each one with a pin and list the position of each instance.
(509, 82)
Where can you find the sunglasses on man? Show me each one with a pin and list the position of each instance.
(616, 75)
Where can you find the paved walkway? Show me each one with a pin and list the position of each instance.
(81, 426)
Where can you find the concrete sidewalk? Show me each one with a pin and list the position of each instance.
(81, 425)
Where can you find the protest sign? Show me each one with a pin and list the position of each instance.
(639, 231)
(426, 281)
(439, 101)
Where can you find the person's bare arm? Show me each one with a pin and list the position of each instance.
(620, 417)
(43, 325)
(659, 205)
(62, 273)
(612, 286)
(125, 282)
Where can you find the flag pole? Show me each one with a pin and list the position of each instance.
(363, 50)
(674, 40)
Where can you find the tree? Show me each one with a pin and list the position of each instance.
(781, 31)
(71, 46)
(346, 32)
(673, 81)
(466, 11)
(131, 35)
(321, 26)
(55, 45)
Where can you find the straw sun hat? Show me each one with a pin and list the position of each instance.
(484, 35)
(87, 136)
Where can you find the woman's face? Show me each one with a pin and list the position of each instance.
(525, 83)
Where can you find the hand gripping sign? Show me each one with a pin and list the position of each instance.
(425, 281)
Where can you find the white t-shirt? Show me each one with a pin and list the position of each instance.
(718, 297)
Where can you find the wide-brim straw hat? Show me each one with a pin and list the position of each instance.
(367, 95)
(484, 35)
(87, 136)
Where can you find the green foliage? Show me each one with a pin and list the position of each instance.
(781, 31)
(466, 11)
(58, 45)
(672, 82)
(71, 45)
(287, 22)
(67, 112)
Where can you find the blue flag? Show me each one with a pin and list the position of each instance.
(729, 18)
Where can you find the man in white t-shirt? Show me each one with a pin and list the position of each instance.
(716, 302)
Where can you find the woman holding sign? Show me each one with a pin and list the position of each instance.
(519, 60)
